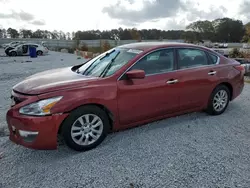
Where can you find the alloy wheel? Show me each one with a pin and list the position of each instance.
(220, 100)
(87, 129)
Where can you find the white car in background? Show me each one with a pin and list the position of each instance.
(23, 49)
(223, 45)
(246, 46)
(216, 45)
(220, 45)
(14, 43)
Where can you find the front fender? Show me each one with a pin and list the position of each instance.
(104, 95)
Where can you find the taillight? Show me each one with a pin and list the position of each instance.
(240, 68)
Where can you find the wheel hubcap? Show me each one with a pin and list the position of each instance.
(220, 100)
(87, 129)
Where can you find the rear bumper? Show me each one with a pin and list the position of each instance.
(34, 132)
(238, 88)
(45, 52)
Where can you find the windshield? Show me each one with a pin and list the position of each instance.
(15, 45)
(18, 46)
(108, 63)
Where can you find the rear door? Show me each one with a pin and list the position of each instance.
(153, 96)
(197, 76)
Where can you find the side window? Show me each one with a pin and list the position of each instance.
(188, 58)
(34, 46)
(160, 61)
(213, 58)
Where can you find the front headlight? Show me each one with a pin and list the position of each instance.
(40, 108)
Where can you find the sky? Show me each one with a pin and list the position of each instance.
(74, 15)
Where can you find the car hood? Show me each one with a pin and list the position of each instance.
(52, 80)
(9, 47)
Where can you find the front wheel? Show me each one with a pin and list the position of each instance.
(219, 100)
(13, 53)
(85, 128)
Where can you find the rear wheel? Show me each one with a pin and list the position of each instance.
(219, 100)
(85, 128)
(39, 53)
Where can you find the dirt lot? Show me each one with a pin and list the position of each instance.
(194, 150)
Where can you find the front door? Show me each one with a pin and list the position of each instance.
(155, 95)
(25, 49)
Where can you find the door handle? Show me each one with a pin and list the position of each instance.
(212, 73)
(172, 81)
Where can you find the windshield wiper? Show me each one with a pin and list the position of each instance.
(104, 72)
(107, 54)
(77, 70)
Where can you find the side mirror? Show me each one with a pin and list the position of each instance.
(136, 74)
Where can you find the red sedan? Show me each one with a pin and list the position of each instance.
(124, 87)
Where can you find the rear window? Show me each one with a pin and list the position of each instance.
(188, 57)
(213, 58)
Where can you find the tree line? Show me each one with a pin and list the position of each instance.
(218, 30)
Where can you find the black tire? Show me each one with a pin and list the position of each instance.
(72, 118)
(13, 53)
(39, 53)
(211, 109)
(7, 52)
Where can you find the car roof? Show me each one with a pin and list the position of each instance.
(149, 45)
(27, 44)
(31, 44)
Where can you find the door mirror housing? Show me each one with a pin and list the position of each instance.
(135, 74)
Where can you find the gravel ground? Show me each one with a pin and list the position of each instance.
(194, 150)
